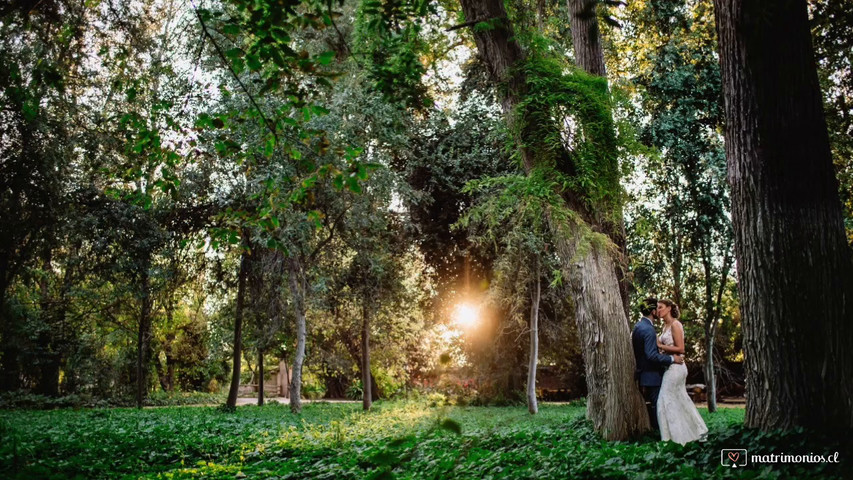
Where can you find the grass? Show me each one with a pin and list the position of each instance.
(395, 440)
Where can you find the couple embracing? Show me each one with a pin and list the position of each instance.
(661, 373)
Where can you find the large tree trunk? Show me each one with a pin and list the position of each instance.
(367, 396)
(589, 56)
(794, 265)
(238, 325)
(143, 340)
(297, 290)
(614, 405)
(586, 38)
(532, 406)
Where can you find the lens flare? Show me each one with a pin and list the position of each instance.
(465, 315)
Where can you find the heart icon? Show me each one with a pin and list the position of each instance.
(733, 456)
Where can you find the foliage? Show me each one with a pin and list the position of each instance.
(388, 34)
(17, 400)
(680, 233)
(395, 440)
(832, 31)
(566, 124)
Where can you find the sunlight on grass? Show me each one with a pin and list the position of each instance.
(406, 439)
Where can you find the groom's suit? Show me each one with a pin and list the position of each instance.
(650, 365)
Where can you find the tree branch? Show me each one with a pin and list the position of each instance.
(472, 23)
(233, 73)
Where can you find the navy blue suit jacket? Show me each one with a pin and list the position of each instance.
(650, 363)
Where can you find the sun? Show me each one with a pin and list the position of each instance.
(465, 315)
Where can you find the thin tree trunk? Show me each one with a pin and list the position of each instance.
(794, 265)
(168, 352)
(297, 289)
(355, 353)
(170, 368)
(260, 377)
(143, 339)
(238, 324)
(614, 405)
(712, 314)
(677, 267)
(710, 376)
(367, 395)
(48, 383)
(532, 406)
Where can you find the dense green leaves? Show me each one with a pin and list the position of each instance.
(402, 440)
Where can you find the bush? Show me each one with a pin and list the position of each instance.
(355, 391)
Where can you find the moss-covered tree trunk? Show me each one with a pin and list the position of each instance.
(589, 55)
(614, 403)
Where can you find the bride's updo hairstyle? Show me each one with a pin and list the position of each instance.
(675, 311)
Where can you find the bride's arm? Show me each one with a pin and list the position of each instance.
(677, 339)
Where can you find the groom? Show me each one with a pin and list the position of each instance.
(650, 363)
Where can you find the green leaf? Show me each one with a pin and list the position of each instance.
(253, 62)
(30, 111)
(269, 146)
(280, 35)
(231, 29)
(326, 58)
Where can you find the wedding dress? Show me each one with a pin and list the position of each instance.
(677, 416)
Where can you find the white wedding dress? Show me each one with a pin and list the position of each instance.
(677, 416)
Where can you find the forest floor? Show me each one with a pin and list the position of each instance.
(395, 440)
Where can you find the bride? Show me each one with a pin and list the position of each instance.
(678, 418)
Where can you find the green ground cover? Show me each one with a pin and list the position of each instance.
(395, 440)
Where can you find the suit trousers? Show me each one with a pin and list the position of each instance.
(650, 394)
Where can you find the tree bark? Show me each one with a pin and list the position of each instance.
(794, 265)
(712, 315)
(52, 312)
(367, 395)
(532, 406)
(143, 345)
(589, 55)
(355, 353)
(586, 38)
(260, 377)
(238, 324)
(614, 405)
(297, 290)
